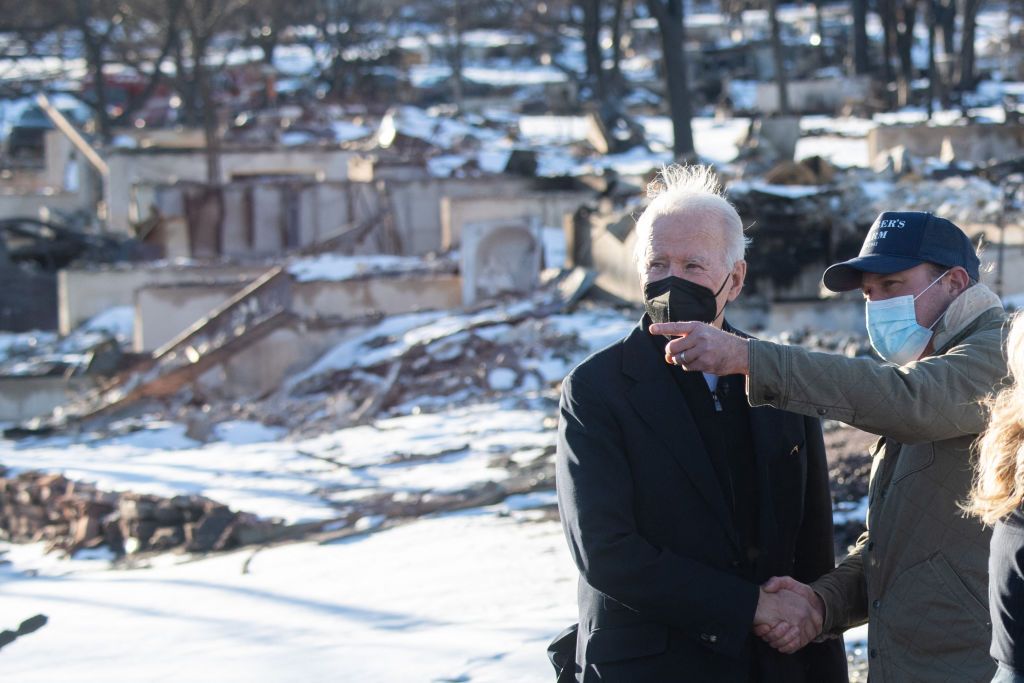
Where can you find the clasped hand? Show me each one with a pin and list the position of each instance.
(789, 614)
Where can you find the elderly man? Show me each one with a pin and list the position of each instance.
(677, 499)
(918, 575)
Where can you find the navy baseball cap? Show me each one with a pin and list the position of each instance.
(899, 240)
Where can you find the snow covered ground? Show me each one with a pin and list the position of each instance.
(474, 596)
(298, 481)
(466, 596)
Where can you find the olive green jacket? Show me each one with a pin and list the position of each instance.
(918, 575)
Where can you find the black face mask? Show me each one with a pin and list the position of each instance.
(673, 299)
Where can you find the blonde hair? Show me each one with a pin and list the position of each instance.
(999, 477)
(697, 190)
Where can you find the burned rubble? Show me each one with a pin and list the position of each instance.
(69, 516)
(496, 351)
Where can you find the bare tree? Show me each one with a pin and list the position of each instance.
(266, 20)
(109, 32)
(965, 71)
(606, 83)
(592, 46)
(933, 86)
(137, 35)
(97, 35)
(779, 57)
(671, 25)
(618, 22)
(202, 21)
(25, 24)
(861, 65)
(886, 12)
(456, 51)
(945, 20)
(905, 15)
(340, 26)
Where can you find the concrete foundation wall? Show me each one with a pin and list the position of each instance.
(417, 205)
(549, 208)
(499, 257)
(975, 143)
(823, 95)
(389, 296)
(262, 367)
(165, 166)
(248, 219)
(82, 294)
(613, 261)
(257, 369)
(17, 205)
(269, 217)
(22, 398)
(162, 312)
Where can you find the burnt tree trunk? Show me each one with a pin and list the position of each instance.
(933, 86)
(886, 12)
(592, 47)
(906, 15)
(779, 58)
(615, 75)
(457, 56)
(209, 113)
(861, 64)
(945, 19)
(94, 48)
(965, 72)
(671, 26)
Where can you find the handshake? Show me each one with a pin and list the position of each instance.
(789, 614)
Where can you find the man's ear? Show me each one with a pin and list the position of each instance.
(959, 280)
(736, 279)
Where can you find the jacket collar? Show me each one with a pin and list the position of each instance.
(963, 311)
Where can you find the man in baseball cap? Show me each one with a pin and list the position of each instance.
(918, 576)
(899, 240)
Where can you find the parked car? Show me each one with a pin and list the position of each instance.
(27, 133)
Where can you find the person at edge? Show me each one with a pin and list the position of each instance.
(918, 574)
(677, 499)
(998, 499)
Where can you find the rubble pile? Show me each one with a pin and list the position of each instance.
(360, 510)
(86, 352)
(70, 516)
(964, 199)
(489, 357)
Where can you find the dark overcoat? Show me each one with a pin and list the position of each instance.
(666, 593)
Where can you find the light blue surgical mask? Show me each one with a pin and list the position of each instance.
(893, 328)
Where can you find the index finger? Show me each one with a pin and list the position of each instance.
(673, 329)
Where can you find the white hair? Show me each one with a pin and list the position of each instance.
(697, 191)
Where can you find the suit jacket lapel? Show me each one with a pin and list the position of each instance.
(768, 432)
(767, 435)
(659, 402)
